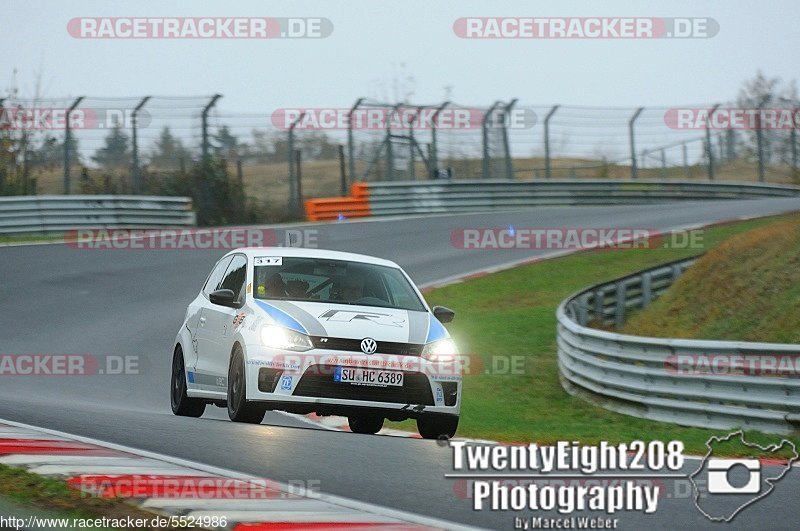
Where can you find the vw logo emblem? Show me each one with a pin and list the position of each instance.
(368, 345)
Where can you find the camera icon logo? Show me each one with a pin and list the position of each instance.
(723, 487)
(719, 471)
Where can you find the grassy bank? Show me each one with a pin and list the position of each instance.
(747, 288)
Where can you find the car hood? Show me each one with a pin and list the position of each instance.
(354, 322)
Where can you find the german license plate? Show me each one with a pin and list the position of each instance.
(372, 377)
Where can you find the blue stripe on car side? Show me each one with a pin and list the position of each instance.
(435, 329)
(282, 318)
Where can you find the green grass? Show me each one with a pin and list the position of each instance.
(26, 238)
(27, 490)
(512, 313)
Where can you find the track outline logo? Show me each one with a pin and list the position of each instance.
(769, 481)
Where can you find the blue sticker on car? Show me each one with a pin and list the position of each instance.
(286, 383)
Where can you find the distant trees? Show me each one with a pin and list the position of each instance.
(115, 154)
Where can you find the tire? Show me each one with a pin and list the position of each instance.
(369, 424)
(239, 408)
(437, 426)
(182, 405)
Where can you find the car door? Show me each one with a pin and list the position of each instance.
(195, 320)
(218, 327)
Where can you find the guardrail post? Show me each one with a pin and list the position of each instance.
(485, 133)
(433, 158)
(294, 187)
(351, 161)
(547, 169)
(619, 306)
(634, 168)
(135, 177)
(709, 147)
(506, 149)
(599, 304)
(647, 289)
(68, 142)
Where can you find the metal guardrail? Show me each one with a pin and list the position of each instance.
(390, 198)
(43, 214)
(653, 378)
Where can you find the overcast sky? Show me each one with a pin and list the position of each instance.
(372, 39)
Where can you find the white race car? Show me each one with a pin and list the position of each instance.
(312, 331)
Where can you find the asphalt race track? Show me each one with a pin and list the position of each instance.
(58, 299)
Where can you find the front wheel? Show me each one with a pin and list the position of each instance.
(181, 404)
(239, 408)
(370, 424)
(436, 426)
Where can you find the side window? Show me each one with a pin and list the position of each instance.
(216, 276)
(235, 276)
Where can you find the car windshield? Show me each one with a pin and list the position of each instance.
(333, 281)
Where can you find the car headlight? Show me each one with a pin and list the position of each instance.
(279, 337)
(442, 350)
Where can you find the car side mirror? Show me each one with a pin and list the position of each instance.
(445, 315)
(223, 297)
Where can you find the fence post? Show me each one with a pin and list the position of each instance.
(793, 140)
(68, 142)
(709, 146)
(484, 125)
(205, 190)
(760, 139)
(663, 164)
(685, 160)
(433, 147)
(634, 167)
(506, 148)
(547, 170)
(298, 207)
(135, 177)
(412, 171)
(292, 158)
(342, 174)
(350, 148)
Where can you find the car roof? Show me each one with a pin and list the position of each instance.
(301, 252)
